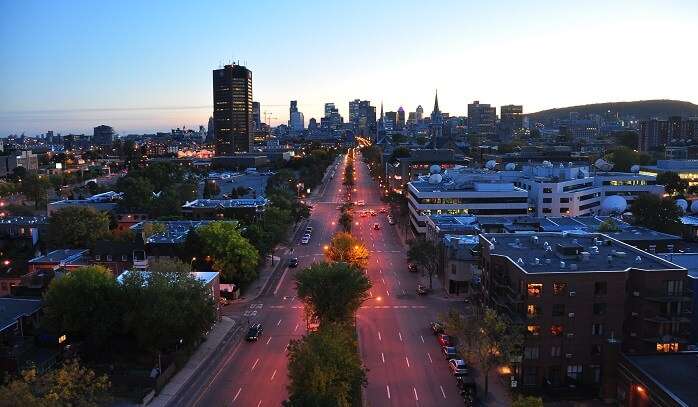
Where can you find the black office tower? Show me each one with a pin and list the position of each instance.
(232, 110)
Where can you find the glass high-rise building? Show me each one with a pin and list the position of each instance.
(232, 109)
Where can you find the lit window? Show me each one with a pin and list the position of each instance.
(668, 347)
(559, 288)
(556, 330)
(535, 289)
(532, 310)
(533, 330)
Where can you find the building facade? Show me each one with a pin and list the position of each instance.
(232, 110)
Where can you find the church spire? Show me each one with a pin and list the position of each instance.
(381, 110)
(436, 101)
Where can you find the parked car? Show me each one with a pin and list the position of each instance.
(376, 226)
(421, 290)
(458, 367)
(445, 340)
(309, 230)
(360, 203)
(293, 262)
(254, 332)
(450, 352)
(412, 267)
(437, 327)
(382, 210)
(391, 220)
(373, 213)
(305, 239)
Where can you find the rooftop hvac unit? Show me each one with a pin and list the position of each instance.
(571, 315)
(573, 293)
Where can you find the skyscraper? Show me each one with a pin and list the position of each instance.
(653, 133)
(400, 118)
(354, 109)
(363, 116)
(210, 131)
(419, 114)
(481, 118)
(390, 121)
(296, 121)
(256, 115)
(329, 108)
(103, 135)
(232, 109)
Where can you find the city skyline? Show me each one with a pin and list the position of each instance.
(147, 68)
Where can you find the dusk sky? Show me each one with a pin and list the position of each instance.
(145, 66)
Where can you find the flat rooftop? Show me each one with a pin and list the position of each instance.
(677, 373)
(204, 276)
(175, 231)
(24, 220)
(12, 309)
(60, 256)
(226, 203)
(545, 252)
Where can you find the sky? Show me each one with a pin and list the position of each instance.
(145, 66)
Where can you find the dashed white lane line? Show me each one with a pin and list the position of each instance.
(387, 388)
(399, 334)
(404, 292)
(278, 323)
(388, 292)
(429, 356)
(398, 282)
(255, 364)
(382, 357)
(379, 337)
(296, 328)
(442, 391)
(260, 403)
(407, 361)
(383, 280)
(272, 375)
(422, 338)
(237, 394)
(380, 271)
(268, 340)
(415, 393)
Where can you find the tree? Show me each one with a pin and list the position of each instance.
(627, 138)
(138, 193)
(167, 307)
(657, 213)
(527, 401)
(423, 253)
(228, 252)
(609, 225)
(345, 219)
(211, 189)
(623, 158)
(324, 369)
(673, 183)
(77, 227)
(153, 228)
(345, 248)
(69, 385)
(85, 303)
(270, 230)
(332, 292)
(35, 188)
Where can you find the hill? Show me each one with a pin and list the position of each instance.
(641, 109)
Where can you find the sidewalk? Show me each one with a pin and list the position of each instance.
(214, 341)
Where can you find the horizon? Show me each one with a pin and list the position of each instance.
(147, 68)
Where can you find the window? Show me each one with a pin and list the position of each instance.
(556, 330)
(534, 289)
(668, 347)
(595, 373)
(559, 288)
(564, 200)
(547, 200)
(533, 330)
(558, 310)
(547, 210)
(555, 351)
(595, 350)
(108, 257)
(600, 288)
(564, 210)
(530, 376)
(600, 308)
(98, 257)
(123, 257)
(453, 269)
(547, 190)
(674, 287)
(574, 372)
(597, 329)
(532, 310)
(531, 352)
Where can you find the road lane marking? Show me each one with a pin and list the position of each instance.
(415, 393)
(382, 357)
(399, 334)
(388, 389)
(383, 280)
(278, 323)
(398, 282)
(404, 292)
(268, 340)
(237, 394)
(408, 361)
(379, 336)
(370, 293)
(281, 280)
(255, 364)
(429, 356)
(442, 391)
(380, 271)
(296, 328)
(272, 375)
(422, 338)
(388, 292)
(260, 403)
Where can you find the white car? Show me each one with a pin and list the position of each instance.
(361, 203)
(305, 239)
(458, 367)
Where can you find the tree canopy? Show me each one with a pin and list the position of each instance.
(673, 183)
(346, 248)
(228, 252)
(657, 213)
(77, 227)
(623, 158)
(423, 253)
(333, 292)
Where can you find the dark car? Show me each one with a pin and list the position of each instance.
(293, 262)
(254, 332)
(450, 352)
(445, 340)
(412, 267)
(421, 290)
(437, 327)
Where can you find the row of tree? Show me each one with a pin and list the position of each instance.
(324, 366)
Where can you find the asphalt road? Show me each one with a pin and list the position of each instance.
(404, 360)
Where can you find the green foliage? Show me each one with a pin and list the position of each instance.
(84, 303)
(628, 139)
(332, 292)
(324, 369)
(138, 193)
(424, 254)
(345, 248)
(153, 228)
(527, 401)
(349, 175)
(270, 229)
(165, 306)
(609, 225)
(35, 188)
(345, 219)
(77, 228)
(623, 158)
(230, 254)
(69, 385)
(400, 152)
(673, 183)
(19, 210)
(657, 213)
(211, 189)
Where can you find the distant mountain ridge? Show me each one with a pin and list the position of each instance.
(642, 109)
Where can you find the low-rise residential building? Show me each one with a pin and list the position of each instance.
(14, 159)
(19, 320)
(460, 264)
(104, 202)
(577, 292)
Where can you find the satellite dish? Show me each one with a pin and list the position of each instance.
(603, 165)
(491, 164)
(435, 178)
(694, 206)
(547, 163)
(614, 204)
(635, 168)
(682, 203)
(435, 169)
(510, 167)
